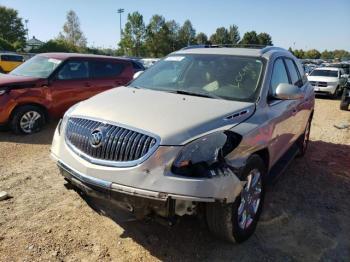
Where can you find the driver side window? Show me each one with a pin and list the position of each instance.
(279, 75)
(74, 70)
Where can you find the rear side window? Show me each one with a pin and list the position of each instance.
(74, 70)
(137, 66)
(279, 75)
(101, 69)
(12, 58)
(293, 73)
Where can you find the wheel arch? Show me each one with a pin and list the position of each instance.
(41, 106)
(265, 156)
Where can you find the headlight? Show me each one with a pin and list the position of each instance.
(200, 157)
(2, 92)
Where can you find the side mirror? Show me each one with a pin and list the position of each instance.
(307, 74)
(137, 74)
(288, 92)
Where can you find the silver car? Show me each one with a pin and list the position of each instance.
(199, 133)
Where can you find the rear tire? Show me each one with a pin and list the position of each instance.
(27, 120)
(233, 222)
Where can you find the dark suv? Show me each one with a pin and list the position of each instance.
(48, 84)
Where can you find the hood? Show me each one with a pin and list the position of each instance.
(9, 81)
(322, 78)
(176, 119)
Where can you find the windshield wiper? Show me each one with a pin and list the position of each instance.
(185, 92)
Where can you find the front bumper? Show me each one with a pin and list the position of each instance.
(327, 89)
(151, 179)
(94, 186)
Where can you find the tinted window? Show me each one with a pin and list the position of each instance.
(100, 69)
(74, 70)
(137, 66)
(12, 58)
(324, 72)
(279, 75)
(294, 75)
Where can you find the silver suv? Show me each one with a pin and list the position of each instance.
(200, 132)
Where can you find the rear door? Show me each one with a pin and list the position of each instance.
(70, 85)
(109, 73)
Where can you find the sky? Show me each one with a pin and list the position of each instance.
(305, 24)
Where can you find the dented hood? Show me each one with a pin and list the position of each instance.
(9, 81)
(176, 119)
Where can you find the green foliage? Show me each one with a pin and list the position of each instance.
(264, 39)
(250, 38)
(72, 32)
(201, 39)
(158, 37)
(187, 34)
(133, 36)
(11, 26)
(57, 45)
(220, 36)
(233, 34)
(312, 54)
(5, 45)
(327, 54)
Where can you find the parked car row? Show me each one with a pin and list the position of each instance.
(200, 132)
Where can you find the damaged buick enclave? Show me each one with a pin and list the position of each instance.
(199, 133)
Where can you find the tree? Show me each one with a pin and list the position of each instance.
(57, 45)
(264, 39)
(4, 45)
(72, 32)
(233, 35)
(11, 26)
(250, 38)
(173, 28)
(327, 54)
(133, 36)
(187, 34)
(158, 40)
(220, 36)
(299, 53)
(201, 39)
(312, 54)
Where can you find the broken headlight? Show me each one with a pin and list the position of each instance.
(203, 155)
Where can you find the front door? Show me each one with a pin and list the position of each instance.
(71, 85)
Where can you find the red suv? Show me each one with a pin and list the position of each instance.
(46, 85)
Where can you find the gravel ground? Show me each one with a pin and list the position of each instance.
(305, 218)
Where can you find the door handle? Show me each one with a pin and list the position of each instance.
(87, 84)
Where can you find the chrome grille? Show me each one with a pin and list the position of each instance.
(119, 146)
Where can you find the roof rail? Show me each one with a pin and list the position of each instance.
(270, 48)
(225, 45)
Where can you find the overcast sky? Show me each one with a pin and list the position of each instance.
(301, 24)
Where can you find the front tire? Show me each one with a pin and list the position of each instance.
(236, 222)
(27, 120)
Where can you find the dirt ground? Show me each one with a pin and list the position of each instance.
(306, 215)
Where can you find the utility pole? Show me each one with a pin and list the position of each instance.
(120, 11)
(26, 22)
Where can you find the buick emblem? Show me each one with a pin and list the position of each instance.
(96, 138)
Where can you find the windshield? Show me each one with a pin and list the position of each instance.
(216, 76)
(37, 66)
(330, 73)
